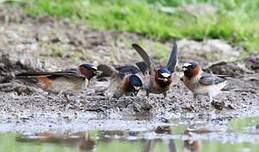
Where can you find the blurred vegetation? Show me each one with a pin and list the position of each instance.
(235, 21)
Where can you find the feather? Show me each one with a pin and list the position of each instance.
(173, 58)
(107, 70)
(53, 75)
(210, 79)
(144, 56)
(142, 67)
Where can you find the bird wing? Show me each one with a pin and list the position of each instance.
(145, 57)
(173, 58)
(142, 67)
(107, 70)
(51, 75)
(131, 69)
(210, 79)
(121, 70)
(138, 68)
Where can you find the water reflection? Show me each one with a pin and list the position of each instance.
(150, 144)
(81, 140)
(191, 145)
(170, 137)
(90, 141)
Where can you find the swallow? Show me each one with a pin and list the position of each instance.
(125, 80)
(60, 81)
(201, 83)
(160, 78)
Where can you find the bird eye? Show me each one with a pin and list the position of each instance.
(193, 66)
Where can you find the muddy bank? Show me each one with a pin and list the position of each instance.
(27, 108)
(45, 43)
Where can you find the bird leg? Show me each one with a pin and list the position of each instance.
(195, 97)
(65, 94)
(165, 94)
(147, 93)
(211, 99)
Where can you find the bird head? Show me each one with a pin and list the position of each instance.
(88, 70)
(135, 83)
(191, 69)
(163, 75)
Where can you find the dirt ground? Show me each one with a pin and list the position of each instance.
(44, 43)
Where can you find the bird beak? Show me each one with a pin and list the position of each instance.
(98, 73)
(136, 87)
(94, 68)
(163, 79)
(184, 69)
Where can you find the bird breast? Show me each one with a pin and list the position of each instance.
(155, 87)
(191, 83)
(64, 84)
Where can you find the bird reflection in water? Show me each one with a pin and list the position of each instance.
(87, 142)
(191, 145)
(150, 144)
(82, 141)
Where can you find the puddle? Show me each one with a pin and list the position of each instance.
(240, 135)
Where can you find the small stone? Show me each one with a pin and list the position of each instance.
(218, 105)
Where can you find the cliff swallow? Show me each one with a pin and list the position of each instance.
(160, 78)
(59, 81)
(124, 80)
(201, 83)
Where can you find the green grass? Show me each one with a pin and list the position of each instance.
(236, 21)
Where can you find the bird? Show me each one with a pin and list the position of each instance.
(159, 78)
(201, 83)
(125, 80)
(61, 81)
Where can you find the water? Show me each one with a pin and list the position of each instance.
(240, 135)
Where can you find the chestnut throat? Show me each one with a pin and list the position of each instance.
(89, 74)
(162, 83)
(192, 73)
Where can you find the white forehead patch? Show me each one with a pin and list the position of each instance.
(165, 75)
(187, 64)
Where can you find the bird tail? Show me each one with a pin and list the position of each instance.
(31, 74)
(226, 86)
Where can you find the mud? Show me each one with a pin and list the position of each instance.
(46, 43)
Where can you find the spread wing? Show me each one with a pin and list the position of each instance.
(173, 58)
(210, 79)
(142, 67)
(127, 69)
(145, 57)
(107, 70)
